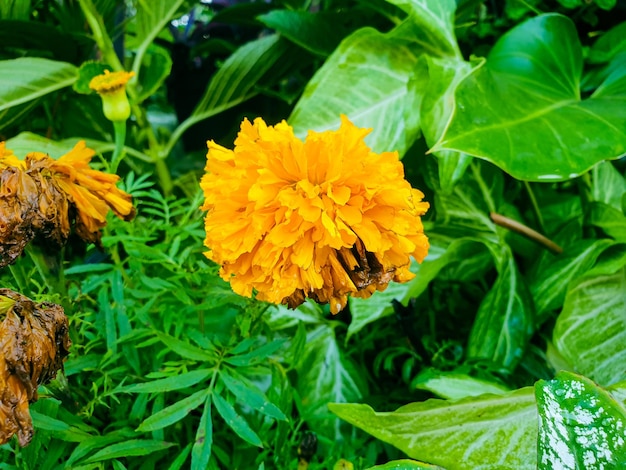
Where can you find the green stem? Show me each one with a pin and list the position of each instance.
(50, 269)
(533, 201)
(120, 137)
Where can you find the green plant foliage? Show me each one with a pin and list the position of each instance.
(581, 425)
(506, 350)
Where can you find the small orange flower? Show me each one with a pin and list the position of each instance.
(324, 218)
(112, 89)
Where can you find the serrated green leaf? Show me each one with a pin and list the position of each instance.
(168, 384)
(371, 61)
(488, 432)
(173, 413)
(251, 397)
(201, 451)
(580, 425)
(29, 78)
(590, 332)
(185, 349)
(505, 320)
(236, 422)
(131, 448)
(525, 103)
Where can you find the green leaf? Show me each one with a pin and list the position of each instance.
(251, 397)
(156, 67)
(201, 451)
(236, 422)
(319, 32)
(610, 44)
(580, 425)
(59, 429)
(608, 185)
(590, 332)
(430, 24)
(454, 385)
(488, 432)
(326, 375)
(404, 465)
(505, 320)
(612, 221)
(176, 382)
(185, 349)
(445, 74)
(525, 104)
(130, 448)
(28, 78)
(173, 413)
(258, 355)
(367, 79)
(550, 278)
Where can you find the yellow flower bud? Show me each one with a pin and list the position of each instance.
(112, 89)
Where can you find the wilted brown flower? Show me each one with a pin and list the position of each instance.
(40, 197)
(34, 341)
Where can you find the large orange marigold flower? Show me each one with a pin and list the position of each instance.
(324, 218)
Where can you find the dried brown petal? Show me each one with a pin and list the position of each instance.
(34, 341)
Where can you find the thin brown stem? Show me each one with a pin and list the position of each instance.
(528, 232)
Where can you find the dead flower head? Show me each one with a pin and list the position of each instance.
(33, 343)
(41, 197)
(324, 218)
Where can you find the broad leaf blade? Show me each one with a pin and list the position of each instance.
(488, 432)
(326, 375)
(590, 332)
(505, 320)
(366, 78)
(455, 385)
(405, 465)
(525, 103)
(581, 425)
(29, 78)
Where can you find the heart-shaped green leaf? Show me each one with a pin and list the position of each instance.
(524, 112)
(366, 78)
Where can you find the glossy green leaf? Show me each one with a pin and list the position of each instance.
(430, 24)
(173, 413)
(251, 397)
(367, 79)
(490, 432)
(319, 32)
(445, 74)
(130, 448)
(168, 384)
(610, 44)
(549, 281)
(590, 332)
(28, 78)
(236, 422)
(608, 185)
(201, 451)
(405, 465)
(156, 67)
(525, 103)
(454, 385)
(326, 375)
(505, 320)
(581, 425)
(610, 220)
